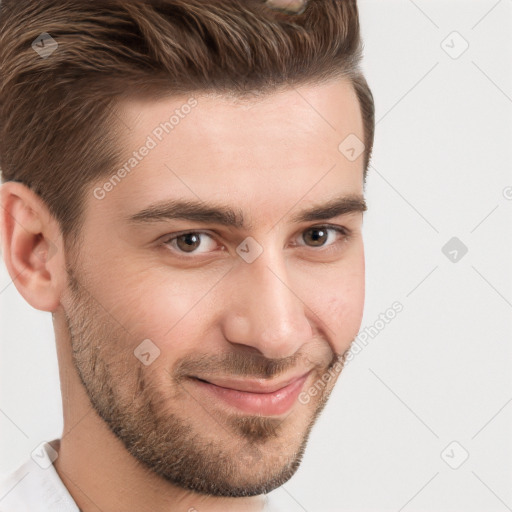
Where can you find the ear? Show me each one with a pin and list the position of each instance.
(32, 246)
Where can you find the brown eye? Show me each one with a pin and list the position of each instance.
(328, 237)
(188, 242)
(191, 242)
(317, 236)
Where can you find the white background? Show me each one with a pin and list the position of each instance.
(441, 371)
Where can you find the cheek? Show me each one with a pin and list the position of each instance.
(164, 309)
(341, 305)
(170, 312)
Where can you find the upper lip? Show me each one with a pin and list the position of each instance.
(253, 385)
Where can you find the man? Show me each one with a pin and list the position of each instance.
(183, 191)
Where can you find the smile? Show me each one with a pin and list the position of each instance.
(253, 396)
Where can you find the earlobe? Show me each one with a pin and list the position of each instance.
(28, 250)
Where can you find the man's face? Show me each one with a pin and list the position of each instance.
(194, 348)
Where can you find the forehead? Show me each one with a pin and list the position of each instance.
(333, 105)
(265, 147)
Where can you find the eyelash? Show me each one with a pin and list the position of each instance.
(345, 232)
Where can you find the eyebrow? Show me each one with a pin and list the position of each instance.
(213, 213)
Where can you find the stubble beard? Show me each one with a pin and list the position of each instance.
(231, 460)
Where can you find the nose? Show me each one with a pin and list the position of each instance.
(267, 313)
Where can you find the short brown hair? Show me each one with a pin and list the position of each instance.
(56, 114)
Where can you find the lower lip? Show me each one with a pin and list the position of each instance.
(266, 404)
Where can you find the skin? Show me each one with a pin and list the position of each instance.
(140, 437)
(294, 6)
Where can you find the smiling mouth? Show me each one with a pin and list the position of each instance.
(253, 396)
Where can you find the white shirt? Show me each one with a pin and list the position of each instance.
(37, 487)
